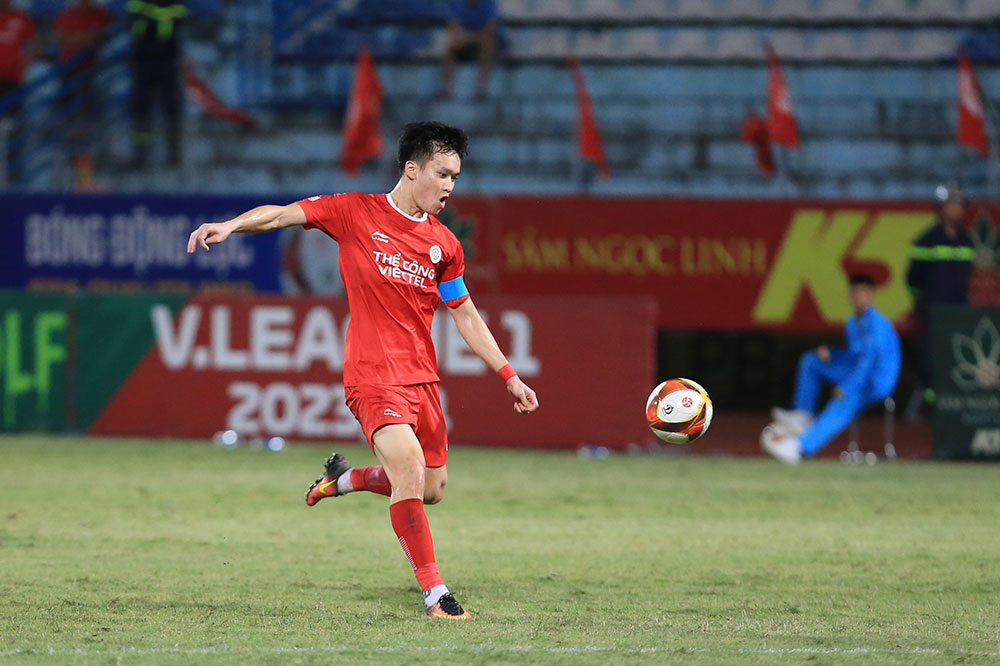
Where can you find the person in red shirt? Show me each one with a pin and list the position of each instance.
(398, 262)
(18, 46)
(80, 27)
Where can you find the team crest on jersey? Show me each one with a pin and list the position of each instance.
(380, 237)
(435, 254)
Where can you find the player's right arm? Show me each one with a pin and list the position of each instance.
(255, 221)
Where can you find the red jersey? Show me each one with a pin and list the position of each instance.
(16, 28)
(77, 22)
(396, 270)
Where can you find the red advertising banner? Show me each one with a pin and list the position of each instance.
(266, 366)
(710, 264)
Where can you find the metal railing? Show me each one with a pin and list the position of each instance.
(68, 111)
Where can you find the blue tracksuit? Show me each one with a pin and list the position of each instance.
(866, 372)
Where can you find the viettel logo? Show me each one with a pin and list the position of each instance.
(976, 357)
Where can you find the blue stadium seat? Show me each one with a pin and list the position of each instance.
(596, 44)
(601, 10)
(981, 10)
(932, 45)
(695, 10)
(847, 156)
(731, 154)
(518, 10)
(885, 44)
(837, 45)
(557, 10)
(792, 10)
(689, 44)
(653, 10)
(840, 10)
(747, 10)
(739, 44)
(890, 10)
(937, 10)
(643, 43)
(538, 43)
(789, 43)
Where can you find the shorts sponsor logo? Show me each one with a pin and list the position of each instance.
(380, 237)
(389, 412)
(435, 254)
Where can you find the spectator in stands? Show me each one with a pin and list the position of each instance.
(18, 47)
(472, 33)
(939, 273)
(79, 31)
(156, 73)
(80, 27)
(863, 374)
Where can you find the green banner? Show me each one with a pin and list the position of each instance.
(113, 334)
(966, 347)
(64, 356)
(33, 361)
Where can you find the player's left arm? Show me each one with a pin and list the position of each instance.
(480, 339)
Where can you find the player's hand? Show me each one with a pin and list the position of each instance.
(208, 234)
(525, 400)
(824, 353)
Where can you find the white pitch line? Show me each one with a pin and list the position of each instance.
(483, 648)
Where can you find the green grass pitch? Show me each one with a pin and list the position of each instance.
(150, 552)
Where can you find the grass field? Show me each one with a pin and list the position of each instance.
(180, 553)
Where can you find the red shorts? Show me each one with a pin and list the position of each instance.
(418, 405)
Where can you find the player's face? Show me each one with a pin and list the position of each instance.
(952, 212)
(861, 297)
(435, 181)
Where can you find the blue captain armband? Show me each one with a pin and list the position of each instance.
(453, 289)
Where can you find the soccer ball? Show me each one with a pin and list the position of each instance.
(679, 411)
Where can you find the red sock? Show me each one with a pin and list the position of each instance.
(410, 523)
(372, 479)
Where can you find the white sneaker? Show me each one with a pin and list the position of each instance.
(787, 450)
(793, 421)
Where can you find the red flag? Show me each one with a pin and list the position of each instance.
(781, 124)
(205, 97)
(591, 146)
(362, 136)
(754, 132)
(971, 119)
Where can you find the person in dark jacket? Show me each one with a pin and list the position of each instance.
(939, 273)
(156, 72)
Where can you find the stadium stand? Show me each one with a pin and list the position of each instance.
(872, 82)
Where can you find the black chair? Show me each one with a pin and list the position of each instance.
(854, 455)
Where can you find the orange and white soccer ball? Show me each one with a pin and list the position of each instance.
(679, 411)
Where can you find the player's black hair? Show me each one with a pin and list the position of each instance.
(419, 141)
(862, 278)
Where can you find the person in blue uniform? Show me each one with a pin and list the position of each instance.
(863, 374)
(473, 33)
(940, 269)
